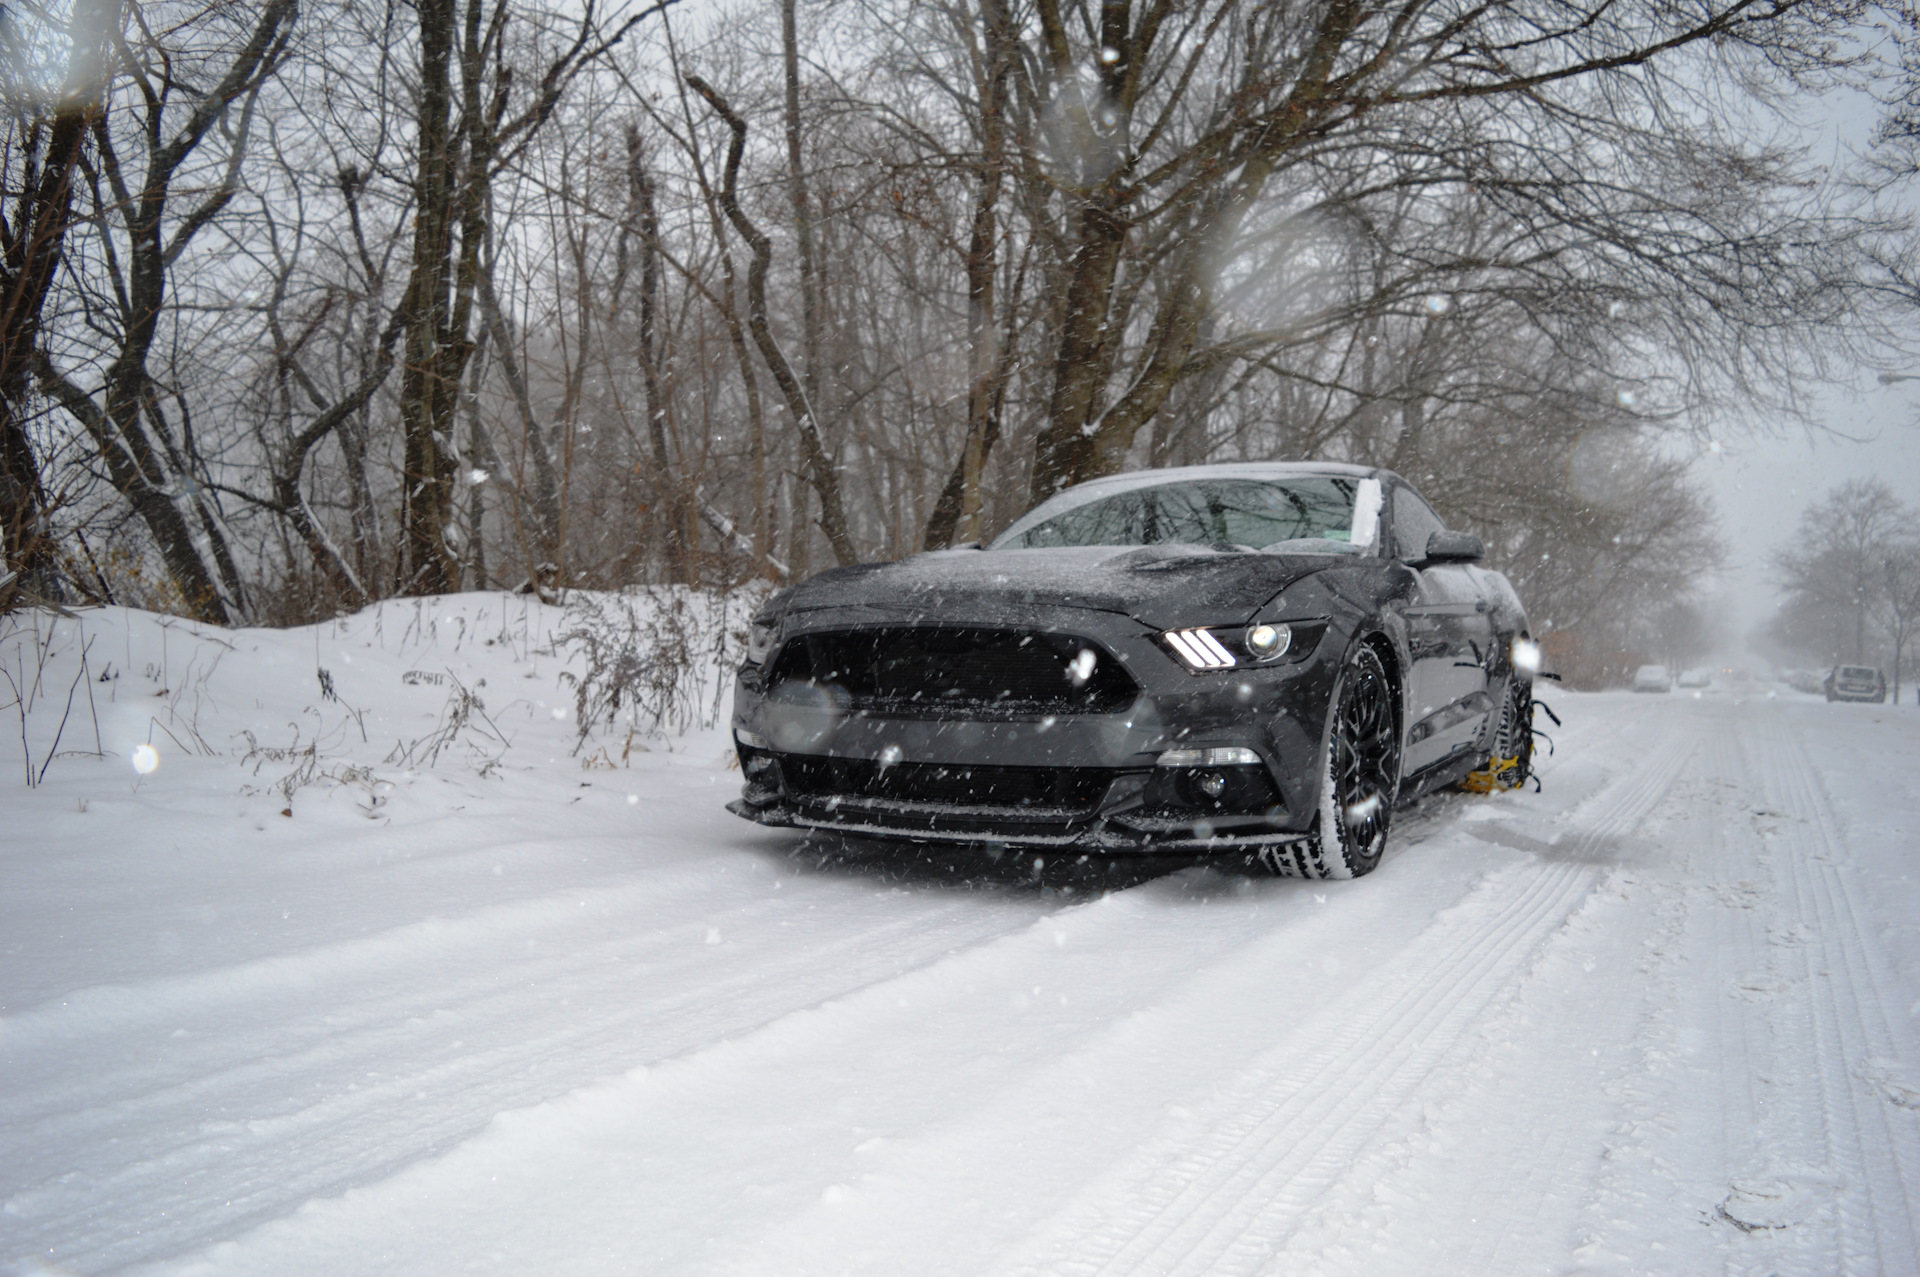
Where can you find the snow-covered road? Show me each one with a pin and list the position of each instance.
(1659, 1018)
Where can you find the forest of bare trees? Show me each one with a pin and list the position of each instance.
(303, 305)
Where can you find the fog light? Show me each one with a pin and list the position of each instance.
(1526, 656)
(1212, 784)
(1218, 756)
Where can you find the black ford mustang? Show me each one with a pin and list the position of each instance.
(1254, 662)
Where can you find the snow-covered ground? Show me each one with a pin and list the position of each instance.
(517, 1013)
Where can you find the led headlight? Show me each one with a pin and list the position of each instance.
(1221, 649)
(1269, 641)
(1200, 649)
(762, 636)
(1526, 656)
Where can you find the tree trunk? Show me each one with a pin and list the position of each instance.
(668, 492)
(31, 240)
(546, 484)
(983, 263)
(433, 354)
(1065, 451)
(802, 208)
(138, 476)
(820, 471)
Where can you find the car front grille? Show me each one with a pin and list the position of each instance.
(958, 672)
(1048, 789)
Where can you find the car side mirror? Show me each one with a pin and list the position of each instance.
(1455, 547)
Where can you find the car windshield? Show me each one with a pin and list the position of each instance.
(1858, 671)
(1256, 513)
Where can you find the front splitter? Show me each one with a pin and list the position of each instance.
(1099, 837)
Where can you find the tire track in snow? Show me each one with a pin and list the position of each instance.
(1872, 1146)
(1581, 1105)
(1740, 1000)
(256, 1122)
(1221, 1201)
(1762, 1033)
(1687, 1106)
(798, 1120)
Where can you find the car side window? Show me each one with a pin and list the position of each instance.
(1413, 522)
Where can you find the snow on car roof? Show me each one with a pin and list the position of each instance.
(1225, 470)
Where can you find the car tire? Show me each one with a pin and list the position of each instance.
(1361, 772)
(1513, 733)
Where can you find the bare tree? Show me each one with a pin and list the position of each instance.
(820, 470)
(1158, 133)
(957, 513)
(1836, 565)
(178, 95)
(484, 275)
(1902, 602)
(47, 128)
(469, 126)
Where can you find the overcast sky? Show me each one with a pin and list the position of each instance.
(1762, 477)
(1761, 483)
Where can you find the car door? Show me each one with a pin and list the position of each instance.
(1450, 637)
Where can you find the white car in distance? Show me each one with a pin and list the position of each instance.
(1652, 678)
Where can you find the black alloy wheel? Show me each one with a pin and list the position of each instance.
(1363, 772)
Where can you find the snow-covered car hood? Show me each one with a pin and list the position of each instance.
(1162, 586)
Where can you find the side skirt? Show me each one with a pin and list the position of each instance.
(1448, 771)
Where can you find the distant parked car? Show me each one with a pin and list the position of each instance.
(1855, 683)
(1804, 680)
(1696, 678)
(1652, 678)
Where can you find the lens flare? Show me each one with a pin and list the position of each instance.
(801, 715)
(145, 758)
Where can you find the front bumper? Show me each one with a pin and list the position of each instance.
(1083, 782)
(1121, 818)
